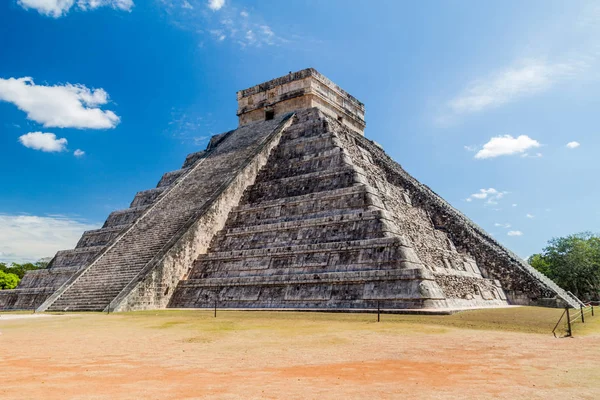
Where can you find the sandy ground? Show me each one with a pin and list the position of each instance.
(253, 355)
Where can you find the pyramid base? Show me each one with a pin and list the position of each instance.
(364, 290)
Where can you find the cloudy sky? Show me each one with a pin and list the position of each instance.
(494, 105)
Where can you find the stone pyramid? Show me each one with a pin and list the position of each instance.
(294, 209)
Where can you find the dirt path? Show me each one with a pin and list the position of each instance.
(174, 357)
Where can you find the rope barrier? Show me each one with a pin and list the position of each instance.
(579, 315)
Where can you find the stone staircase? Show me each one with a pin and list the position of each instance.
(156, 218)
(309, 233)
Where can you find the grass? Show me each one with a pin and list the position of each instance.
(515, 319)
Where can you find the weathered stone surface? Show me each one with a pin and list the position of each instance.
(295, 211)
(151, 256)
(320, 229)
(297, 91)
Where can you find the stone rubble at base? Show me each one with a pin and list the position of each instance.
(294, 209)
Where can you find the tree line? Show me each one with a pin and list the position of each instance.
(11, 275)
(573, 263)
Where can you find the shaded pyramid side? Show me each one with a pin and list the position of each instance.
(315, 232)
(36, 286)
(138, 268)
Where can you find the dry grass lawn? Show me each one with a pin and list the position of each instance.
(499, 353)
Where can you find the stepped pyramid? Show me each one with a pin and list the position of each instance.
(294, 209)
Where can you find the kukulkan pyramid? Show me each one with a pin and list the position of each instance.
(294, 209)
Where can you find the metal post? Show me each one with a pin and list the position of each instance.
(582, 317)
(568, 322)
(378, 311)
(591, 305)
(215, 307)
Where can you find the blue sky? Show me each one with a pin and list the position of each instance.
(494, 105)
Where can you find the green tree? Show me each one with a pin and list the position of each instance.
(573, 262)
(20, 269)
(8, 281)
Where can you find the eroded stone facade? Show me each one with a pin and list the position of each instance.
(295, 209)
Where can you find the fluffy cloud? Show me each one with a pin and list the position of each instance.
(573, 145)
(51, 8)
(525, 78)
(216, 5)
(506, 145)
(58, 8)
(79, 153)
(515, 233)
(502, 225)
(29, 238)
(67, 106)
(43, 141)
(491, 195)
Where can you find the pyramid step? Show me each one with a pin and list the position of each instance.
(351, 215)
(301, 185)
(124, 217)
(314, 205)
(191, 159)
(306, 145)
(304, 129)
(75, 257)
(282, 267)
(346, 277)
(285, 167)
(333, 193)
(147, 197)
(170, 177)
(312, 248)
(348, 226)
(100, 237)
(359, 255)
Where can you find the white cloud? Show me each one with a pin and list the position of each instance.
(187, 5)
(515, 233)
(491, 195)
(51, 8)
(471, 148)
(43, 141)
(514, 204)
(29, 238)
(530, 216)
(230, 23)
(66, 106)
(59, 8)
(502, 225)
(525, 78)
(506, 145)
(536, 155)
(125, 5)
(216, 5)
(573, 145)
(79, 153)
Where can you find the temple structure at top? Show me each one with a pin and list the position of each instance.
(298, 91)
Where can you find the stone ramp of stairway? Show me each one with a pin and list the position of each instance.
(94, 287)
